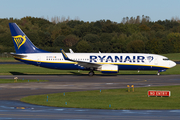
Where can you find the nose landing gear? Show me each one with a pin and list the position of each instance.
(163, 70)
(91, 73)
(158, 73)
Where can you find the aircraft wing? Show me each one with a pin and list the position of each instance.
(88, 64)
(81, 63)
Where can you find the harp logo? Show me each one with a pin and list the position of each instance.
(19, 40)
(150, 58)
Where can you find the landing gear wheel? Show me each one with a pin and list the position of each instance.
(91, 73)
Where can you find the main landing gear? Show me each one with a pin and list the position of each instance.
(158, 73)
(91, 73)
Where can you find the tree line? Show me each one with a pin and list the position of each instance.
(131, 35)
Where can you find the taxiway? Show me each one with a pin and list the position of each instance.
(12, 108)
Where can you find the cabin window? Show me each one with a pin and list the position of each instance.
(165, 59)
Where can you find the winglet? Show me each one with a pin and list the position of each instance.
(71, 51)
(64, 54)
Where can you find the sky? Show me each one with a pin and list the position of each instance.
(91, 10)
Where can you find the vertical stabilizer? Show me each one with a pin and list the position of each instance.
(22, 43)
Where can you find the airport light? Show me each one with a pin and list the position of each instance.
(128, 88)
(132, 87)
(47, 99)
(15, 79)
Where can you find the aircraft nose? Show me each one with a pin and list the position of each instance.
(172, 63)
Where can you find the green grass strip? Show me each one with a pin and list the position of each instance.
(2, 81)
(110, 99)
(8, 59)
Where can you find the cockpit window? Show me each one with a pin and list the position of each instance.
(165, 59)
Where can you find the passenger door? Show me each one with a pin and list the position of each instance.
(156, 61)
(38, 60)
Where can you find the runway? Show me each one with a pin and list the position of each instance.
(11, 93)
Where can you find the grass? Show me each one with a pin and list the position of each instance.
(23, 69)
(173, 56)
(7, 59)
(2, 81)
(117, 98)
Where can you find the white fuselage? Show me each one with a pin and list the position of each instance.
(124, 61)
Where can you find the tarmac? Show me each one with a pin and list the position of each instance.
(12, 108)
(15, 110)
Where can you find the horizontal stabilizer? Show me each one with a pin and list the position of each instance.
(18, 55)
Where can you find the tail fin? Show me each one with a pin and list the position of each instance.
(22, 43)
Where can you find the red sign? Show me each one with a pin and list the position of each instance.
(159, 93)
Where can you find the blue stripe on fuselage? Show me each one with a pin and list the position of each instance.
(139, 67)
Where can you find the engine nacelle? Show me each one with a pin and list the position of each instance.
(108, 69)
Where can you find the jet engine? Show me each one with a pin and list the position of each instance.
(108, 68)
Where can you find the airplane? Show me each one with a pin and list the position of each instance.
(28, 53)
